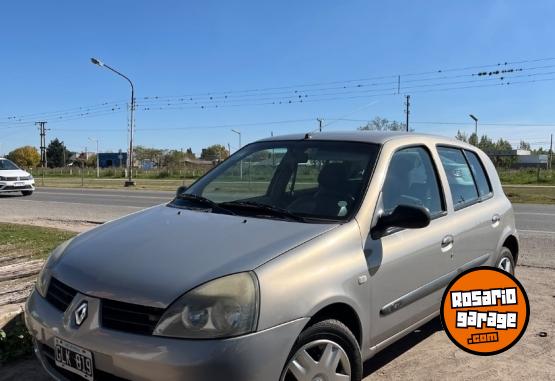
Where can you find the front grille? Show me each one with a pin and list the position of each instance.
(48, 355)
(128, 317)
(119, 316)
(59, 295)
(12, 187)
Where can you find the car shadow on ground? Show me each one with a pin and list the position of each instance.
(398, 348)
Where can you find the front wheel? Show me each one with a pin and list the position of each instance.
(326, 351)
(26, 193)
(506, 261)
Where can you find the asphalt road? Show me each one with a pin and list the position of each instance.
(529, 217)
(132, 198)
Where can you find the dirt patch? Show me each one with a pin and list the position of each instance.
(427, 354)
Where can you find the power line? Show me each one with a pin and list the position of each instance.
(307, 93)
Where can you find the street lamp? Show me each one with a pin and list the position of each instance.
(97, 158)
(241, 163)
(129, 181)
(475, 125)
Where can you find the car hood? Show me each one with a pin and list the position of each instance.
(13, 173)
(154, 256)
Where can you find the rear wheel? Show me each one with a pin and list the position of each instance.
(27, 193)
(506, 261)
(326, 351)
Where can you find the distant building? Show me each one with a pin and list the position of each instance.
(532, 161)
(112, 159)
(521, 158)
(147, 164)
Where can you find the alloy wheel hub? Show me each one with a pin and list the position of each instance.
(319, 360)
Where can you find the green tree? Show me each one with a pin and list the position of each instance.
(473, 139)
(214, 152)
(487, 145)
(145, 153)
(461, 136)
(524, 145)
(26, 157)
(190, 154)
(383, 124)
(91, 161)
(504, 147)
(57, 154)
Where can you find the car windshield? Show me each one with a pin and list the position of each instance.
(306, 180)
(6, 165)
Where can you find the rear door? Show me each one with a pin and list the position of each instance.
(409, 267)
(478, 224)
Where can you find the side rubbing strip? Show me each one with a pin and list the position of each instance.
(428, 288)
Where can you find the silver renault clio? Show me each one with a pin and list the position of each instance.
(297, 258)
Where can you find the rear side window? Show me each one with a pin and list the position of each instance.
(482, 181)
(459, 176)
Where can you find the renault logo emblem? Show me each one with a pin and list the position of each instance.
(81, 313)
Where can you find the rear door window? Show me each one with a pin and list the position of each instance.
(459, 176)
(482, 181)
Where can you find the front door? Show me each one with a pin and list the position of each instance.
(409, 268)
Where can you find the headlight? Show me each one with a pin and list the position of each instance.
(44, 274)
(225, 307)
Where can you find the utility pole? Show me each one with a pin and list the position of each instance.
(241, 163)
(551, 152)
(407, 110)
(43, 159)
(320, 123)
(97, 158)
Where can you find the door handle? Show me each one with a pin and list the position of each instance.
(447, 240)
(495, 219)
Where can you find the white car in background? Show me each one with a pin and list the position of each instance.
(15, 179)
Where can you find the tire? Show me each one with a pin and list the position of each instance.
(27, 193)
(316, 341)
(506, 261)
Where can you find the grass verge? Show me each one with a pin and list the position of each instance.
(142, 184)
(530, 195)
(36, 241)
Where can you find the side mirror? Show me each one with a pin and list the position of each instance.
(403, 216)
(180, 190)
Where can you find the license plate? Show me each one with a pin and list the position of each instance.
(19, 184)
(74, 359)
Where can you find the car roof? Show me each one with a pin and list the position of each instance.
(376, 137)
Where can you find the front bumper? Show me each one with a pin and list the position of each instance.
(119, 355)
(17, 186)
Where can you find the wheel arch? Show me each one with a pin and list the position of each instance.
(511, 243)
(342, 312)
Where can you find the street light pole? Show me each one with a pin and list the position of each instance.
(241, 163)
(97, 158)
(475, 125)
(129, 181)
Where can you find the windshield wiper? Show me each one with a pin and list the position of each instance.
(264, 208)
(204, 201)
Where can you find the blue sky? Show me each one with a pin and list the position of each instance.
(192, 47)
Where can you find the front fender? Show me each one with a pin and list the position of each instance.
(319, 273)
